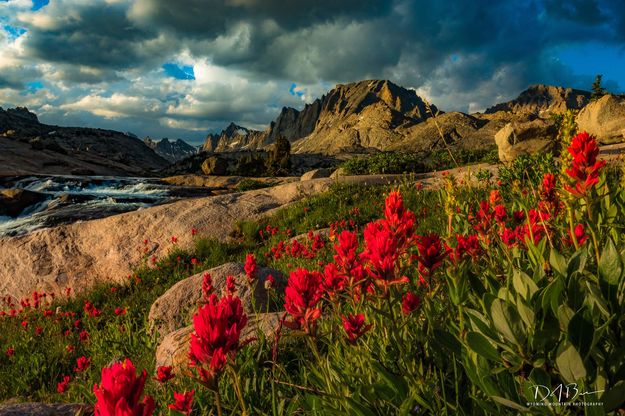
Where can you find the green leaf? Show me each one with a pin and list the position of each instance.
(577, 262)
(448, 341)
(523, 284)
(610, 271)
(510, 403)
(481, 345)
(526, 314)
(580, 333)
(551, 295)
(507, 322)
(564, 316)
(610, 264)
(558, 262)
(396, 382)
(569, 363)
(595, 298)
(614, 397)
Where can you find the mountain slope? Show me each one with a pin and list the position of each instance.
(543, 99)
(29, 147)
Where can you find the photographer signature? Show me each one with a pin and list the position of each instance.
(568, 392)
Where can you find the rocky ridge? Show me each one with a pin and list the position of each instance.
(172, 151)
(30, 147)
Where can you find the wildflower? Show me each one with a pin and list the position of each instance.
(333, 280)
(495, 197)
(10, 352)
(469, 245)
(409, 303)
(164, 374)
(207, 286)
(218, 326)
(584, 169)
(230, 285)
(398, 219)
(25, 324)
(120, 392)
(250, 267)
(120, 311)
(302, 294)
(431, 253)
(194, 232)
(82, 364)
(354, 326)
(38, 330)
(174, 239)
(84, 335)
(345, 257)
(382, 250)
(509, 237)
(580, 236)
(61, 386)
(182, 402)
(500, 214)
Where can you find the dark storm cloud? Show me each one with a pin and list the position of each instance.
(94, 34)
(464, 55)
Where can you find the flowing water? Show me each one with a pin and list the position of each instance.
(77, 198)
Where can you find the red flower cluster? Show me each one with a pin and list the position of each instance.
(431, 253)
(585, 167)
(302, 293)
(218, 326)
(120, 392)
(250, 267)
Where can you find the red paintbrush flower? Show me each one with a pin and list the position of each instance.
(409, 303)
(164, 374)
(61, 386)
(120, 391)
(218, 326)
(182, 402)
(82, 364)
(431, 253)
(250, 267)
(355, 327)
(584, 169)
(301, 296)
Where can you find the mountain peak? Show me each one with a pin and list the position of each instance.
(541, 99)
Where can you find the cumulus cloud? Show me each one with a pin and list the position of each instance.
(180, 68)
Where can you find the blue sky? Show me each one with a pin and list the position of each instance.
(168, 69)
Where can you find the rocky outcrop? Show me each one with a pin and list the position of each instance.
(107, 250)
(316, 174)
(175, 308)
(530, 137)
(174, 348)
(29, 147)
(542, 100)
(604, 118)
(215, 165)
(14, 201)
(172, 151)
(349, 117)
(233, 138)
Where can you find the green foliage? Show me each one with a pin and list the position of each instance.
(401, 162)
(527, 171)
(251, 184)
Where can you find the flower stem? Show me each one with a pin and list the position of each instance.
(218, 402)
(237, 389)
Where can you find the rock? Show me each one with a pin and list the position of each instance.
(14, 201)
(174, 308)
(604, 118)
(83, 172)
(316, 174)
(338, 172)
(174, 348)
(215, 166)
(516, 139)
(543, 100)
(44, 409)
(108, 249)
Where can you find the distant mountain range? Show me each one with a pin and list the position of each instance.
(382, 115)
(172, 151)
(351, 118)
